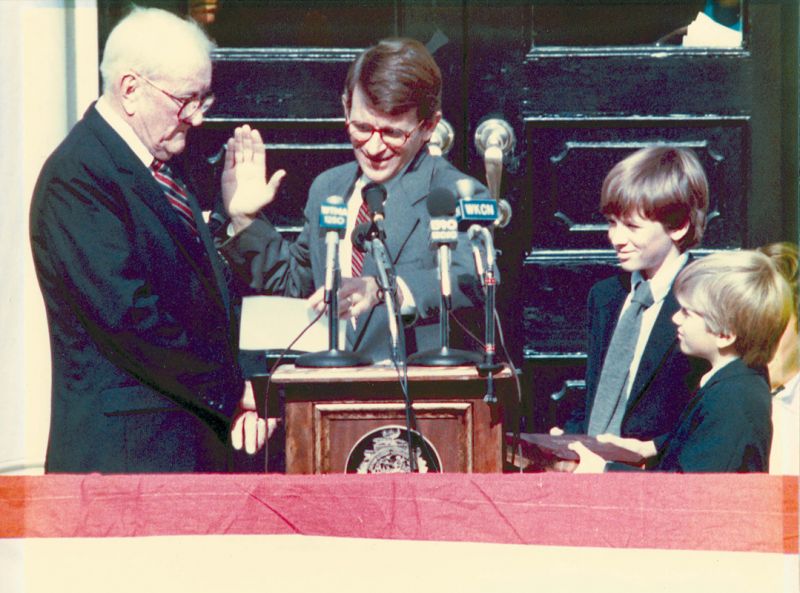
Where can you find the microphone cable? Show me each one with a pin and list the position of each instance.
(401, 367)
(399, 361)
(288, 349)
(507, 360)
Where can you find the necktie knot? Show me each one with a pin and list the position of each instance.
(643, 295)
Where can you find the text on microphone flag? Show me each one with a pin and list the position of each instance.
(333, 214)
(477, 210)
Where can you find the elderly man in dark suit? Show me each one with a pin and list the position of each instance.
(392, 104)
(144, 349)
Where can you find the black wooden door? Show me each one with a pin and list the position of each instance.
(578, 83)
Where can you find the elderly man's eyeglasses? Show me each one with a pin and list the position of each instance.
(361, 133)
(187, 107)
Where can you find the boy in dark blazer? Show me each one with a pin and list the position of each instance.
(734, 308)
(655, 201)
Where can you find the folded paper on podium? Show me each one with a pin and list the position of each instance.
(272, 323)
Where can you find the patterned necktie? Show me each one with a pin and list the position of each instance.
(175, 194)
(357, 265)
(612, 390)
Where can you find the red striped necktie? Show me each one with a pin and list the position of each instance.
(176, 195)
(358, 256)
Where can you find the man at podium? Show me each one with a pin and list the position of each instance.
(392, 104)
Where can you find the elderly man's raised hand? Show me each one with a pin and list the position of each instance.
(245, 189)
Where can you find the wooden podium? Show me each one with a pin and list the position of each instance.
(353, 419)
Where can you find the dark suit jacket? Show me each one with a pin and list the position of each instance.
(266, 262)
(727, 427)
(666, 377)
(143, 342)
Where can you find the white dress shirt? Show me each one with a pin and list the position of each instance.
(124, 130)
(784, 456)
(660, 285)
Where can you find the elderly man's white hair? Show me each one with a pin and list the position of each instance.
(155, 43)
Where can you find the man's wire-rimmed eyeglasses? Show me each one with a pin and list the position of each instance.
(187, 107)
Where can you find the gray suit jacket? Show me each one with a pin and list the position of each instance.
(265, 262)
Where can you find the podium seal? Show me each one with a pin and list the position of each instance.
(385, 451)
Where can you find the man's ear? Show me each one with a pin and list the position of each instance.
(678, 234)
(430, 125)
(344, 107)
(129, 90)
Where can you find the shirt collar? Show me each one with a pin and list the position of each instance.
(124, 130)
(788, 392)
(661, 283)
(394, 181)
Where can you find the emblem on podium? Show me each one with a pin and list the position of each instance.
(385, 451)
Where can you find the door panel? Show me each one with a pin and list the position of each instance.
(570, 157)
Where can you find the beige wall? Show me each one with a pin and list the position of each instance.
(43, 93)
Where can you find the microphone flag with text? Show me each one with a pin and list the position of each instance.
(441, 205)
(332, 224)
(479, 217)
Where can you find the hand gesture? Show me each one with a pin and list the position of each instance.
(356, 297)
(248, 431)
(245, 189)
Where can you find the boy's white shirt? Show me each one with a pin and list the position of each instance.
(784, 457)
(660, 285)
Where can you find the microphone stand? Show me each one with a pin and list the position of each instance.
(333, 357)
(388, 285)
(488, 365)
(444, 356)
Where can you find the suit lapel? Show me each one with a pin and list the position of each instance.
(611, 307)
(134, 175)
(405, 204)
(662, 339)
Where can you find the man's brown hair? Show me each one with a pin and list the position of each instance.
(397, 75)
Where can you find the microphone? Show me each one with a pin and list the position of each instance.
(483, 235)
(481, 211)
(365, 240)
(478, 234)
(332, 222)
(475, 239)
(374, 195)
(441, 206)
